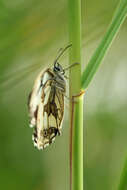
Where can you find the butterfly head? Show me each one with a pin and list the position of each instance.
(58, 68)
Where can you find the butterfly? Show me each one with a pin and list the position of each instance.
(46, 104)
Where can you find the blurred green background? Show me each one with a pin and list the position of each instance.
(31, 33)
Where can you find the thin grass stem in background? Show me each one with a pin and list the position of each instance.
(123, 178)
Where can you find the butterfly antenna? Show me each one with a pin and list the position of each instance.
(61, 53)
(72, 65)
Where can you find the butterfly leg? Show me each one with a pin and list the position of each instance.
(70, 99)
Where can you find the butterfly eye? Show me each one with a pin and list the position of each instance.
(56, 66)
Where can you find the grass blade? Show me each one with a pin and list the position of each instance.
(100, 52)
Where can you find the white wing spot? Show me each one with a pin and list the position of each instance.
(45, 120)
(47, 93)
(46, 77)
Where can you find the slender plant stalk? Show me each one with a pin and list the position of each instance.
(123, 178)
(100, 52)
(76, 106)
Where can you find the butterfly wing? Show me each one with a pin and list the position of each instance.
(46, 107)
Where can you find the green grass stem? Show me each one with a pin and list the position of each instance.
(76, 124)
